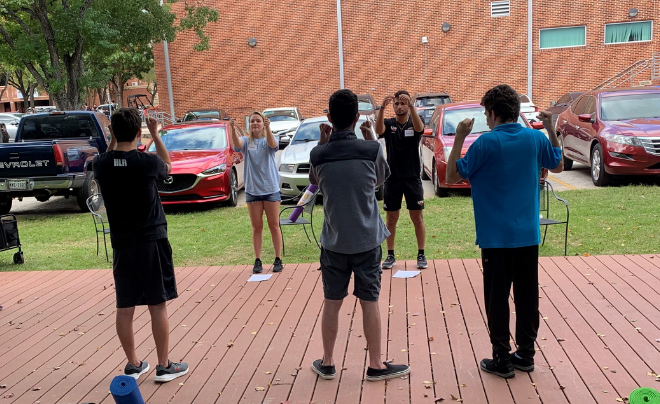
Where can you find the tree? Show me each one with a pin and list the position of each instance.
(24, 83)
(152, 83)
(53, 39)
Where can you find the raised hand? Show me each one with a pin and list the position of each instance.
(326, 131)
(387, 101)
(464, 128)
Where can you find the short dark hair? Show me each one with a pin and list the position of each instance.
(343, 106)
(503, 101)
(126, 123)
(400, 93)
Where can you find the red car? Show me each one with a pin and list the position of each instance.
(615, 131)
(204, 167)
(438, 140)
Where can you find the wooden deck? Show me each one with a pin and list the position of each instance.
(254, 343)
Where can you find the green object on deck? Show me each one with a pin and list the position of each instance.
(644, 395)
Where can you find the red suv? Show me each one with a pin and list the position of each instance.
(615, 131)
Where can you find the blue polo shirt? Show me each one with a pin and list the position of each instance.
(504, 168)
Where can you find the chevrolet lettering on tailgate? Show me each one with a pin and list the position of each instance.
(25, 164)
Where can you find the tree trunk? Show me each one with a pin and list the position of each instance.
(31, 88)
(153, 92)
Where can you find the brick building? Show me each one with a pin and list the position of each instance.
(295, 61)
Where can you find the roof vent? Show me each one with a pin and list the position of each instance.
(500, 8)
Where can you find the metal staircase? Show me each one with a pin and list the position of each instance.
(627, 76)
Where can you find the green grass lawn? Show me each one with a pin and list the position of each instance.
(618, 220)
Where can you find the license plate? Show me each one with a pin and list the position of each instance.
(17, 184)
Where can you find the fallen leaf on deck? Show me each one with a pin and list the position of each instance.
(415, 314)
(10, 395)
(268, 373)
(438, 399)
(560, 339)
(229, 345)
(430, 338)
(180, 384)
(259, 388)
(403, 350)
(36, 388)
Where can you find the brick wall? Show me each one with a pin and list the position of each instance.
(295, 62)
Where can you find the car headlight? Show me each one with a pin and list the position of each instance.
(215, 170)
(627, 140)
(287, 168)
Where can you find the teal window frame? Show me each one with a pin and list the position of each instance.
(646, 22)
(541, 31)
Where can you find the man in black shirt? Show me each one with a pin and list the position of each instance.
(142, 257)
(402, 137)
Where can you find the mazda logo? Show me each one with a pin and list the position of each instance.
(169, 180)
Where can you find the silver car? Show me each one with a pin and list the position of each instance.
(11, 121)
(294, 162)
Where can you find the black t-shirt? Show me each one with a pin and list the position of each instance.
(402, 143)
(128, 186)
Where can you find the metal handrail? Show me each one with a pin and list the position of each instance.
(655, 69)
(629, 73)
(163, 118)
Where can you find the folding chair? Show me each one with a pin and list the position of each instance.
(546, 187)
(97, 209)
(308, 209)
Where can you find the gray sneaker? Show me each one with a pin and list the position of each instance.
(171, 372)
(136, 371)
(389, 262)
(421, 262)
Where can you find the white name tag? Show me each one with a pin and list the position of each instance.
(252, 146)
(409, 133)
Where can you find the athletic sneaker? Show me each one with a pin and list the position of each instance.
(171, 372)
(390, 372)
(277, 265)
(389, 262)
(499, 368)
(258, 266)
(325, 372)
(136, 371)
(421, 262)
(525, 365)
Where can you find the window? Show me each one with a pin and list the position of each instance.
(567, 37)
(578, 106)
(500, 8)
(566, 99)
(628, 32)
(591, 106)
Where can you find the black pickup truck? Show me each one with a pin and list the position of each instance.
(51, 157)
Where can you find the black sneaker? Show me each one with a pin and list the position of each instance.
(498, 368)
(136, 371)
(390, 372)
(525, 365)
(325, 372)
(389, 262)
(421, 262)
(171, 372)
(277, 265)
(258, 266)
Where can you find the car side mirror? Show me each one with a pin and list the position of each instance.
(377, 108)
(586, 118)
(302, 118)
(142, 148)
(537, 125)
(553, 103)
(179, 120)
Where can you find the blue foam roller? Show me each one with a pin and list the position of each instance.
(124, 390)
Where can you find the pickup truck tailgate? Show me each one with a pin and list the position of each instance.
(33, 159)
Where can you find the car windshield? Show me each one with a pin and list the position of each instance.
(281, 116)
(453, 117)
(57, 127)
(431, 101)
(208, 138)
(636, 106)
(201, 115)
(426, 114)
(365, 106)
(310, 132)
(524, 99)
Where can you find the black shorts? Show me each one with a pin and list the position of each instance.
(396, 189)
(336, 269)
(144, 274)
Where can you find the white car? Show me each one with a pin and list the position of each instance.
(528, 109)
(294, 161)
(11, 121)
(283, 121)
